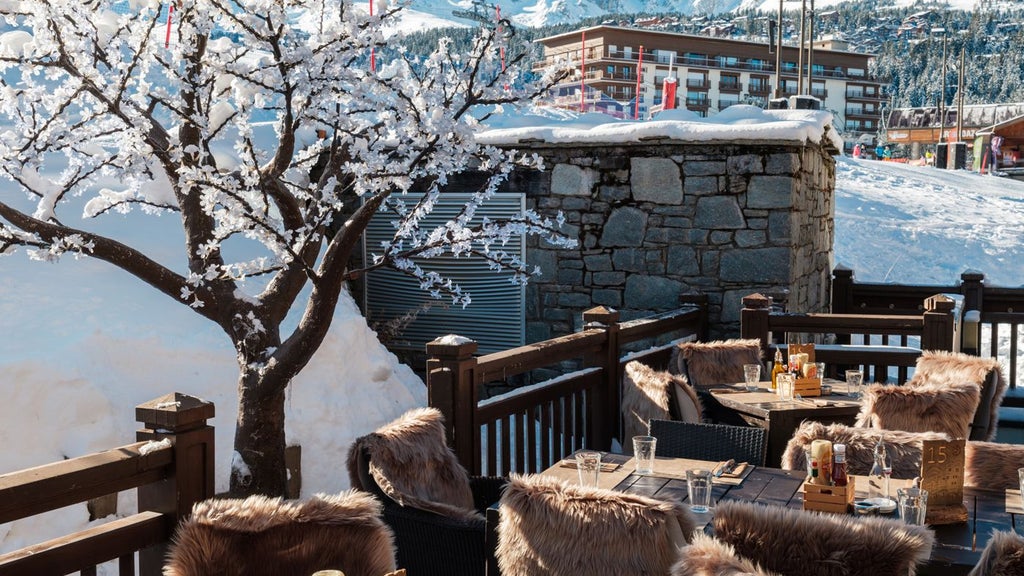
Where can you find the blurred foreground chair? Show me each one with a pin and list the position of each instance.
(274, 537)
(1002, 556)
(953, 369)
(551, 527)
(430, 502)
(649, 394)
(712, 442)
(708, 556)
(789, 541)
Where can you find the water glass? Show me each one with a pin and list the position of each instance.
(854, 383)
(698, 484)
(784, 383)
(588, 464)
(913, 503)
(751, 376)
(1020, 473)
(819, 372)
(643, 453)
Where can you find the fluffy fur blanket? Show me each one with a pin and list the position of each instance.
(709, 364)
(551, 527)
(1002, 556)
(260, 535)
(797, 542)
(903, 447)
(706, 556)
(992, 465)
(921, 408)
(647, 394)
(953, 368)
(412, 463)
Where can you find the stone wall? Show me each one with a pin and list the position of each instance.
(659, 219)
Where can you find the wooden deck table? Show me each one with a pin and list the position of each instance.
(958, 546)
(765, 409)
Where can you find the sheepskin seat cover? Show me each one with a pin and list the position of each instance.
(921, 408)
(791, 541)
(551, 527)
(647, 395)
(1002, 556)
(412, 463)
(707, 556)
(992, 465)
(903, 447)
(709, 364)
(954, 368)
(261, 535)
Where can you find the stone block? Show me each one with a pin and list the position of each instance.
(628, 259)
(651, 293)
(569, 180)
(612, 278)
(547, 261)
(780, 227)
(706, 168)
(701, 185)
(782, 163)
(768, 192)
(598, 262)
(570, 277)
(682, 261)
(613, 193)
(718, 212)
(749, 238)
(557, 314)
(606, 297)
(626, 226)
(745, 164)
(656, 180)
(720, 237)
(759, 265)
(576, 204)
(574, 300)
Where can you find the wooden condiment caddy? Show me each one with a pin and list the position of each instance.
(824, 498)
(806, 387)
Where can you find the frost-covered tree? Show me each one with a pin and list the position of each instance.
(261, 125)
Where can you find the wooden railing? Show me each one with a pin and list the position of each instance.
(172, 467)
(993, 317)
(532, 427)
(887, 345)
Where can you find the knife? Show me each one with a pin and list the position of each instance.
(726, 468)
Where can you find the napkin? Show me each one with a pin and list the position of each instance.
(736, 472)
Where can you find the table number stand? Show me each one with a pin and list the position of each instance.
(942, 475)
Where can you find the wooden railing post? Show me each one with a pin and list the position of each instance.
(972, 286)
(938, 323)
(754, 319)
(842, 290)
(181, 419)
(605, 409)
(451, 389)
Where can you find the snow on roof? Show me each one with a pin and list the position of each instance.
(736, 123)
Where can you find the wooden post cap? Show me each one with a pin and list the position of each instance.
(601, 315)
(175, 412)
(757, 301)
(841, 271)
(939, 303)
(452, 346)
(972, 276)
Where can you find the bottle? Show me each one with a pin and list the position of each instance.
(778, 367)
(821, 452)
(878, 479)
(839, 477)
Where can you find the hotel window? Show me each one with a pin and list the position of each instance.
(727, 61)
(755, 64)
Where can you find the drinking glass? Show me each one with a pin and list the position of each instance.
(819, 372)
(588, 464)
(751, 376)
(913, 503)
(698, 485)
(854, 383)
(784, 382)
(1020, 473)
(643, 453)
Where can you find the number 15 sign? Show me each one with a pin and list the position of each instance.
(942, 475)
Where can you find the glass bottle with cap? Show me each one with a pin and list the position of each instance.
(839, 477)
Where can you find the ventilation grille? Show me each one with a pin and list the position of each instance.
(494, 319)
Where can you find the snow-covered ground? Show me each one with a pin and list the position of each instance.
(84, 343)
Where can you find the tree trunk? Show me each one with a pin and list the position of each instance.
(259, 438)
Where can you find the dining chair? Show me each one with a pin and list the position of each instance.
(955, 368)
(708, 364)
(433, 506)
(271, 536)
(708, 556)
(925, 407)
(649, 394)
(1002, 556)
(712, 442)
(548, 526)
(992, 465)
(793, 541)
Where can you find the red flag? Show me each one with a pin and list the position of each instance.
(668, 93)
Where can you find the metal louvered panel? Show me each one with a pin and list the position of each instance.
(494, 319)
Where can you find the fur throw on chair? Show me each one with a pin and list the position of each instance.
(903, 447)
(552, 527)
(1002, 556)
(261, 535)
(992, 465)
(792, 541)
(413, 464)
(709, 364)
(706, 556)
(647, 395)
(953, 368)
(922, 408)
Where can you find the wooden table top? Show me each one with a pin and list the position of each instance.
(764, 401)
(958, 546)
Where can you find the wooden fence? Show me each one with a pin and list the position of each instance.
(531, 428)
(172, 467)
